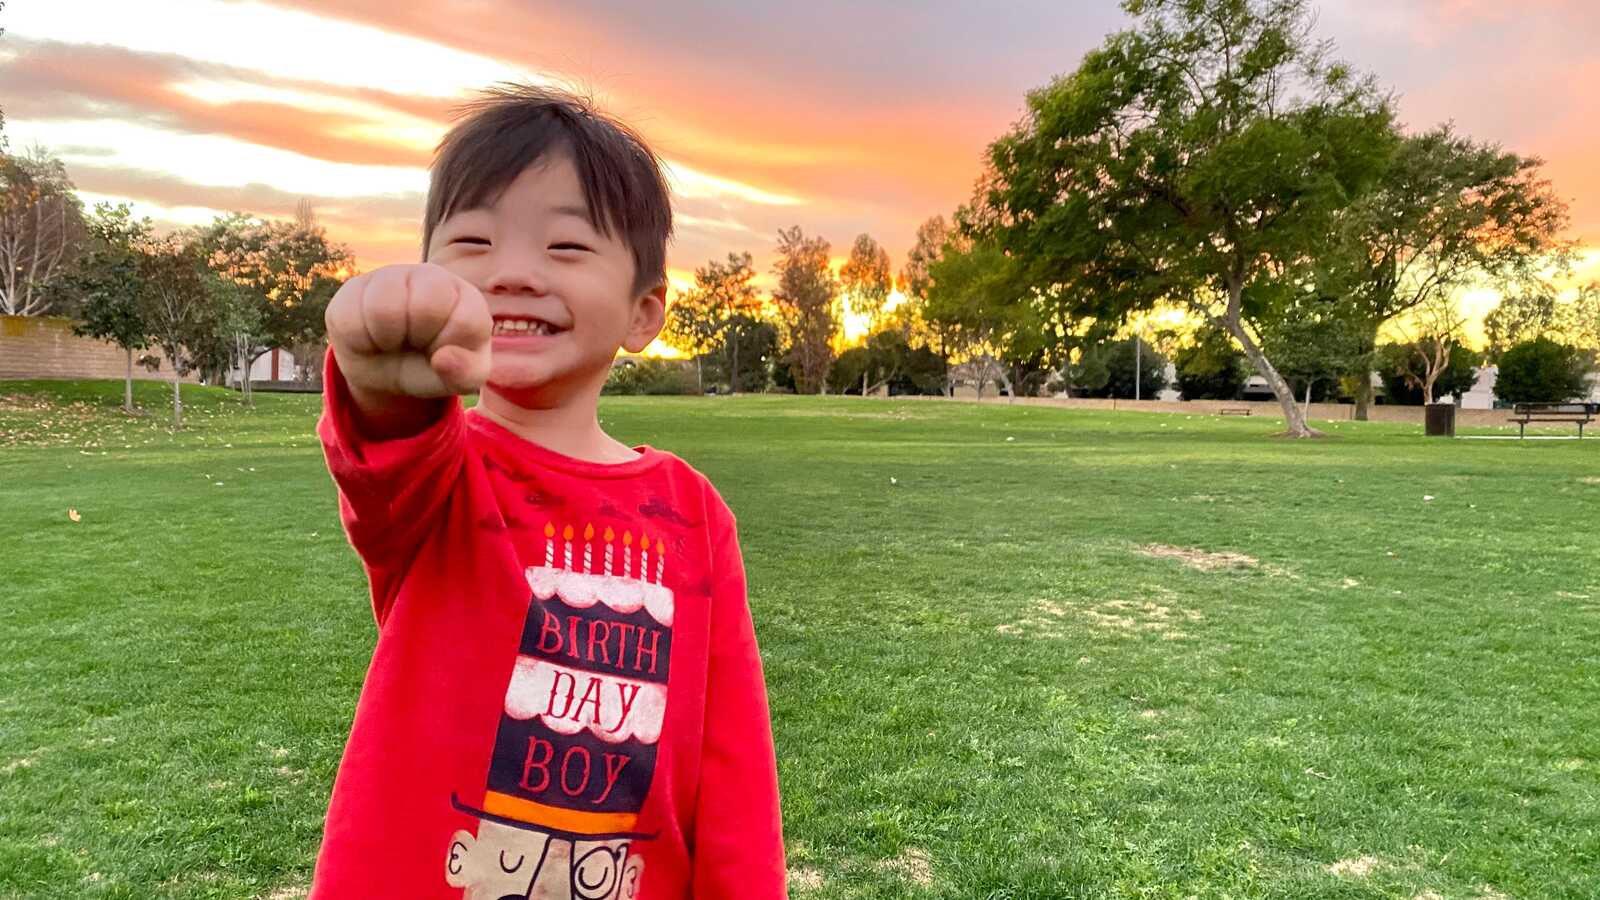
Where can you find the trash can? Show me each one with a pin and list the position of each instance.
(1440, 420)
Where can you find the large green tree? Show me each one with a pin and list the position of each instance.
(1198, 159)
(106, 284)
(806, 299)
(1448, 212)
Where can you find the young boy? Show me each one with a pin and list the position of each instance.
(566, 700)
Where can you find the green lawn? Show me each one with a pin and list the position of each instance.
(1002, 663)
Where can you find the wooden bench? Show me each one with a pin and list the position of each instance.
(1579, 413)
(1234, 411)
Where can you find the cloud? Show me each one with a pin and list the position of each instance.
(55, 81)
(843, 117)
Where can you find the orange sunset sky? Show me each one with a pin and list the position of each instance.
(840, 117)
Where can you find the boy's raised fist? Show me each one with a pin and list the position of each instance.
(414, 330)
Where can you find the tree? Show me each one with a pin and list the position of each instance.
(1579, 320)
(915, 277)
(866, 280)
(973, 299)
(41, 229)
(1542, 371)
(286, 272)
(805, 297)
(1430, 338)
(1198, 160)
(106, 282)
(888, 362)
(1211, 368)
(1396, 366)
(178, 303)
(713, 316)
(1519, 318)
(1123, 363)
(1539, 312)
(1317, 340)
(745, 360)
(1446, 213)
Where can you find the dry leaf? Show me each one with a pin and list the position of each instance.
(73, 515)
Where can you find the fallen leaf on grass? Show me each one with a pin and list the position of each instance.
(73, 515)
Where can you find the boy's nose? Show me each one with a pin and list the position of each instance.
(517, 276)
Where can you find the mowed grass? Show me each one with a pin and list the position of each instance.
(1012, 652)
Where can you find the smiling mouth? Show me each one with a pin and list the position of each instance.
(510, 326)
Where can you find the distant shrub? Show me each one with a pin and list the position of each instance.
(1542, 371)
(650, 376)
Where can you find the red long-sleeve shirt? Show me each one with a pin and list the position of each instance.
(566, 699)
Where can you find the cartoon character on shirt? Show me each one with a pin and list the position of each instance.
(518, 861)
(575, 751)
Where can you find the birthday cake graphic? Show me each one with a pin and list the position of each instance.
(575, 751)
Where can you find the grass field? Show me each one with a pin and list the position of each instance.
(1012, 652)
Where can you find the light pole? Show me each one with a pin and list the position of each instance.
(1138, 365)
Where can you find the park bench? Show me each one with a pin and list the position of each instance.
(1234, 411)
(1579, 413)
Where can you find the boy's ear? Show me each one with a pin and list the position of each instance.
(649, 315)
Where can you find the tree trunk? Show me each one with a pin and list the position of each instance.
(733, 368)
(177, 400)
(1364, 372)
(699, 378)
(1005, 381)
(127, 386)
(1294, 418)
(863, 382)
(1309, 383)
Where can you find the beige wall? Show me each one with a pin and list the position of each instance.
(1326, 412)
(45, 347)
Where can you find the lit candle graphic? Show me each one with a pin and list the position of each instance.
(549, 545)
(588, 537)
(661, 560)
(644, 559)
(610, 535)
(566, 537)
(627, 552)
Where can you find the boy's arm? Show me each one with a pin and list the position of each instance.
(402, 340)
(738, 828)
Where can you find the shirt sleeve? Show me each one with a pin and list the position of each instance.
(393, 492)
(738, 829)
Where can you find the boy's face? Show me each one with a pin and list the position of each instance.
(560, 291)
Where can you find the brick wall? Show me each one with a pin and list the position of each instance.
(45, 347)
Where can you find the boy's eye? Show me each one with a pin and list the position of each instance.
(470, 239)
(571, 245)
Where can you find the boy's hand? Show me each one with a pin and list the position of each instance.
(409, 331)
